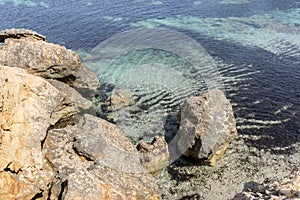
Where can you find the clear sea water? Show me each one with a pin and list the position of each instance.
(254, 45)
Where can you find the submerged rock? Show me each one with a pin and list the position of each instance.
(154, 155)
(119, 99)
(47, 60)
(207, 126)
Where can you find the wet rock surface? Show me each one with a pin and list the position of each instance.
(119, 99)
(207, 126)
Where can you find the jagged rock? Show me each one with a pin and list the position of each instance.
(287, 188)
(27, 102)
(100, 164)
(73, 104)
(20, 33)
(154, 155)
(49, 61)
(207, 126)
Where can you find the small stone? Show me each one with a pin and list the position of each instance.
(154, 155)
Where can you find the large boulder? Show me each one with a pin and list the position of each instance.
(96, 161)
(25, 114)
(207, 126)
(28, 50)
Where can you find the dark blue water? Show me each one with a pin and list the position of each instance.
(255, 45)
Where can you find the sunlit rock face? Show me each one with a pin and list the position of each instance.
(25, 114)
(207, 126)
(28, 50)
(50, 148)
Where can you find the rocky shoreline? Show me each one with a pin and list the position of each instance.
(53, 145)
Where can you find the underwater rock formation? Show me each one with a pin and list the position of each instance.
(207, 126)
(119, 99)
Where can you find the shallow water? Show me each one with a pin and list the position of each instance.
(254, 45)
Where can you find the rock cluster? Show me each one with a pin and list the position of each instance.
(207, 126)
(287, 188)
(51, 147)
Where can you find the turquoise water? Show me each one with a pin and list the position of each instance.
(252, 46)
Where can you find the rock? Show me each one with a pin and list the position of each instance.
(27, 103)
(119, 99)
(20, 33)
(44, 152)
(193, 197)
(71, 107)
(47, 60)
(154, 155)
(100, 164)
(207, 126)
(287, 188)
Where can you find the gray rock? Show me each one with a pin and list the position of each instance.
(20, 33)
(207, 126)
(94, 161)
